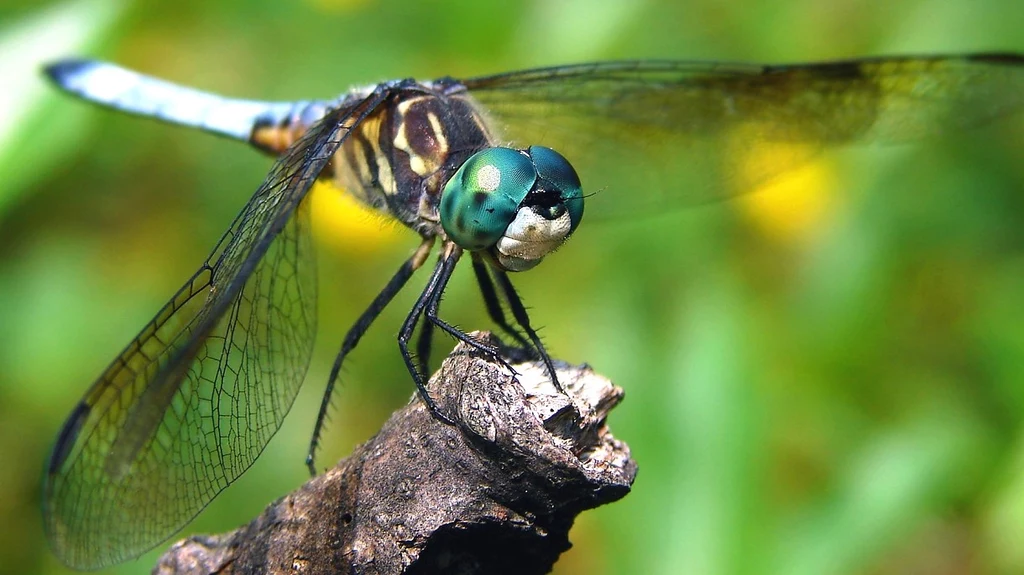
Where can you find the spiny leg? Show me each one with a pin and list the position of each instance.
(519, 312)
(409, 326)
(423, 345)
(430, 317)
(394, 285)
(483, 279)
(426, 307)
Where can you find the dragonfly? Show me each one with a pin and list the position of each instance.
(500, 168)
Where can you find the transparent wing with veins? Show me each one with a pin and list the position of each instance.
(659, 135)
(195, 397)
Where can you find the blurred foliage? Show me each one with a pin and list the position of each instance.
(825, 378)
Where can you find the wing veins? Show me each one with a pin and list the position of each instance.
(82, 527)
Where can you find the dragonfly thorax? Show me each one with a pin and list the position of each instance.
(399, 157)
(516, 205)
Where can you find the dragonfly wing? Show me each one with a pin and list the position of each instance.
(657, 134)
(193, 400)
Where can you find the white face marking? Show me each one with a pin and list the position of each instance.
(529, 238)
(489, 178)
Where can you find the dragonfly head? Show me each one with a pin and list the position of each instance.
(517, 205)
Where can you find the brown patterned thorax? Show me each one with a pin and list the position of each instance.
(399, 158)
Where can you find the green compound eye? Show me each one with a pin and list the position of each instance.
(481, 199)
(554, 168)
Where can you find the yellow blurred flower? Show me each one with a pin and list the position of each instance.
(346, 225)
(792, 207)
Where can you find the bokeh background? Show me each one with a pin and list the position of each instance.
(826, 377)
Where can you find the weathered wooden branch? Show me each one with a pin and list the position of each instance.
(496, 493)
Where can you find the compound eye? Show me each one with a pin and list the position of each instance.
(554, 168)
(480, 201)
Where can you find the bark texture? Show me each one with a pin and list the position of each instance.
(495, 493)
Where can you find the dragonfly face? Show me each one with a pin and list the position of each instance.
(190, 403)
(517, 205)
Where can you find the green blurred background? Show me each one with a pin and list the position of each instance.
(824, 378)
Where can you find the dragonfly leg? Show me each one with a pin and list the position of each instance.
(423, 345)
(523, 319)
(426, 307)
(483, 279)
(438, 279)
(431, 318)
(394, 285)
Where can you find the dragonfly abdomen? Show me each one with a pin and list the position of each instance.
(134, 93)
